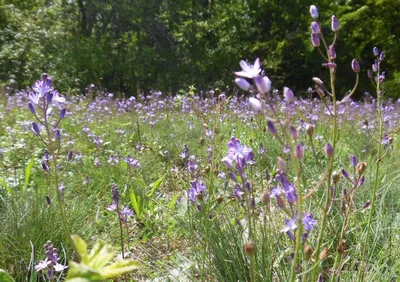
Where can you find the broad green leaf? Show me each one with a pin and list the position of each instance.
(82, 273)
(135, 203)
(100, 255)
(96, 266)
(81, 247)
(5, 277)
(118, 268)
(155, 186)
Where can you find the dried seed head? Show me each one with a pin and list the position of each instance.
(324, 254)
(249, 248)
(265, 197)
(342, 247)
(361, 167)
(307, 252)
(310, 129)
(335, 177)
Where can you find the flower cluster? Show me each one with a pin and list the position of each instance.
(124, 212)
(51, 262)
(237, 159)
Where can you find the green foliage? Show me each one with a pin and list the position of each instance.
(94, 266)
(5, 277)
(131, 46)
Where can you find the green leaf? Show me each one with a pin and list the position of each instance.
(95, 266)
(28, 170)
(155, 186)
(80, 246)
(135, 203)
(100, 255)
(4, 184)
(5, 277)
(82, 273)
(175, 198)
(118, 268)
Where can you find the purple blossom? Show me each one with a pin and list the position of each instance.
(196, 191)
(248, 70)
(125, 213)
(238, 154)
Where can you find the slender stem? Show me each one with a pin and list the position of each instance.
(121, 233)
(339, 253)
(314, 153)
(376, 181)
(329, 180)
(50, 145)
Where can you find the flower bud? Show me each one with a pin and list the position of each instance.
(299, 151)
(335, 24)
(315, 40)
(249, 248)
(367, 204)
(242, 84)
(280, 164)
(314, 12)
(361, 181)
(369, 74)
(255, 104)
(50, 274)
(48, 200)
(332, 52)
(329, 151)
(35, 128)
(315, 28)
(355, 66)
(263, 84)
(382, 56)
(45, 166)
(293, 132)
(329, 65)
(49, 97)
(31, 108)
(324, 254)
(58, 134)
(44, 76)
(288, 94)
(310, 129)
(376, 51)
(345, 174)
(320, 92)
(353, 160)
(375, 66)
(307, 252)
(317, 81)
(69, 156)
(271, 127)
(62, 113)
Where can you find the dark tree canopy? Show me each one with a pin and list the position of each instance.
(137, 45)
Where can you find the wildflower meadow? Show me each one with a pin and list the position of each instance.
(260, 185)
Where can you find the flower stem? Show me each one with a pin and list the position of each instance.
(330, 170)
(378, 161)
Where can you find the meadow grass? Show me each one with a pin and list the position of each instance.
(169, 233)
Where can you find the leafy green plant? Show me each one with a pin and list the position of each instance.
(96, 266)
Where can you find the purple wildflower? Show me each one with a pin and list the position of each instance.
(248, 70)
